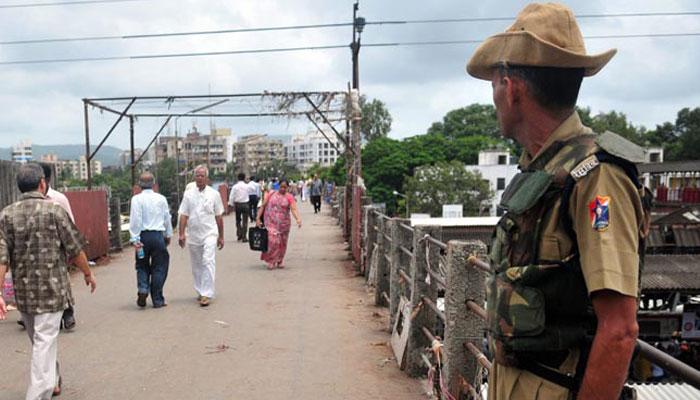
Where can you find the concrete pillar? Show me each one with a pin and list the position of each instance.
(115, 221)
(394, 278)
(425, 317)
(381, 285)
(463, 283)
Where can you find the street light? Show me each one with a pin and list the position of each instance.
(405, 197)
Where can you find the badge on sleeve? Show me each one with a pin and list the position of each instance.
(599, 212)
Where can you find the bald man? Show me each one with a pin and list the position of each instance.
(151, 229)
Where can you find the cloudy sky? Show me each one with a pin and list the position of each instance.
(650, 79)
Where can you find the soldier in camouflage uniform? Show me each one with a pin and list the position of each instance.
(562, 298)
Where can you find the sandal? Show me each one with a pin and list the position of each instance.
(57, 389)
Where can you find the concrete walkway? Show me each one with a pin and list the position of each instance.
(306, 332)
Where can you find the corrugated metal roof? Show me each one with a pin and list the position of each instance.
(666, 391)
(669, 272)
(669, 166)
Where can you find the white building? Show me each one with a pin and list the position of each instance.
(498, 168)
(22, 152)
(306, 150)
(73, 168)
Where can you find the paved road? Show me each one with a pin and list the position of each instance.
(305, 332)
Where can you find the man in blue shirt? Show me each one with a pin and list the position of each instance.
(151, 229)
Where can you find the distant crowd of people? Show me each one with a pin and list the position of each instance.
(39, 240)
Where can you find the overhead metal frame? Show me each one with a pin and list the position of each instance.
(197, 112)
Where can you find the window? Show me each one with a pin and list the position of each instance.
(500, 183)
(654, 157)
(502, 159)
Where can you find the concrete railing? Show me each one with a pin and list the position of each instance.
(441, 286)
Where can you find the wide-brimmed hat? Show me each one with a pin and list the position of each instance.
(543, 35)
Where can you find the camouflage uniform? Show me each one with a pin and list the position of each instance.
(538, 301)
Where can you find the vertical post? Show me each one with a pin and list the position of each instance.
(394, 277)
(131, 147)
(115, 220)
(425, 316)
(355, 47)
(87, 144)
(463, 283)
(369, 237)
(382, 268)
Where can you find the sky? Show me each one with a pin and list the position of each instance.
(650, 79)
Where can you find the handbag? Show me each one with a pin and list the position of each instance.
(257, 239)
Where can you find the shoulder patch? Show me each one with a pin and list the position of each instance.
(584, 167)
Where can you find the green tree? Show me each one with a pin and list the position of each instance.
(613, 121)
(447, 183)
(688, 132)
(475, 119)
(384, 164)
(376, 120)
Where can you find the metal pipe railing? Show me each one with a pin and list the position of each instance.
(434, 307)
(476, 309)
(406, 277)
(676, 367)
(479, 264)
(480, 357)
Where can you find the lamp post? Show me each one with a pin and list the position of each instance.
(408, 213)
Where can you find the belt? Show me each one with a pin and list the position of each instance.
(147, 230)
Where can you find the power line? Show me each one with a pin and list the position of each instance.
(308, 48)
(64, 3)
(171, 34)
(491, 19)
(315, 26)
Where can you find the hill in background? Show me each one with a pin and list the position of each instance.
(108, 155)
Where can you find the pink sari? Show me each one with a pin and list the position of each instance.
(278, 223)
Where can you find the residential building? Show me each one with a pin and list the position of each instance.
(73, 168)
(125, 157)
(22, 152)
(196, 148)
(498, 168)
(253, 153)
(311, 148)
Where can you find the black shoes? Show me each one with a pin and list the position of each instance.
(141, 300)
(68, 322)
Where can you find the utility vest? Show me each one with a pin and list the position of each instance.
(539, 309)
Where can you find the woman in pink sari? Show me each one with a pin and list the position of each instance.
(275, 210)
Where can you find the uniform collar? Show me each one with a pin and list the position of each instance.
(32, 195)
(571, 127)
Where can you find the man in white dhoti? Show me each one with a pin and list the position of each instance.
(201, 219)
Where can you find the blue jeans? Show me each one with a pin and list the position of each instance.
(152, 270)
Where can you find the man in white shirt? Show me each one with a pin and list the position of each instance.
(201, 213)
(239, 200)
(254, 193)
(151, 230)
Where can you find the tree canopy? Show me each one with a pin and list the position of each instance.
(376, 120)
(432, 186)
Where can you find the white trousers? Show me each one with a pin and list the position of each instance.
(203, 259)
(43, 333)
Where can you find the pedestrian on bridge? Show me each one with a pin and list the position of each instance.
(566, 255)
(316, 191)
(151, 230)
(239, 200)
(254, 196)
(201, 227)
(276, 208)
(37, 242)
(68, 319)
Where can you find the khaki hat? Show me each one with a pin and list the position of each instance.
(543, 35)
